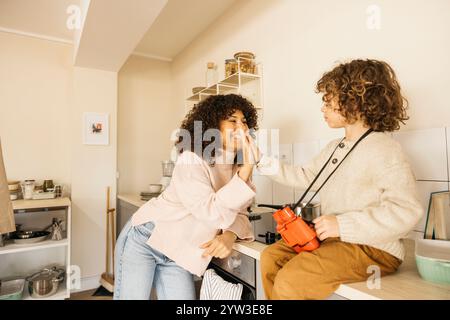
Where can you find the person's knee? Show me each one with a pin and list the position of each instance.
(288, 285)
(267, 259)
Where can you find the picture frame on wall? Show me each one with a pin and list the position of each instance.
(95, 128)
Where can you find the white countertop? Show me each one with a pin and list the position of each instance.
(405, 284)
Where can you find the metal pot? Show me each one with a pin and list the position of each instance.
(310, 212)
(45, 283)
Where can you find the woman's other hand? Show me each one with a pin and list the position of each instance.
(250, 154)
(326, 227)
(255, 152)
(221, 246)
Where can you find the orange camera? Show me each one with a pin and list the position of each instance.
(294, 230)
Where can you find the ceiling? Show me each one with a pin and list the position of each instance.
(178, 24)
(41, 17)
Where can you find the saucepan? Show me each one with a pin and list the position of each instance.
(45, 283)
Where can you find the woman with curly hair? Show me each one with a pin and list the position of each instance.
(201, 213)
(367, 206)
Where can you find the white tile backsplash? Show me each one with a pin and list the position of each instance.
(264, 190)
(282, 194)
(426, 151)
(286, 153)
(424, 188)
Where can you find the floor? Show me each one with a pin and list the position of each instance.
(88, 295)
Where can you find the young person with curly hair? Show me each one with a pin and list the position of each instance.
(200, 214)
(367, 206)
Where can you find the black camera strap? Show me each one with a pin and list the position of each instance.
(323, 168)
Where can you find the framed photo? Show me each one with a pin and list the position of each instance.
(95, 128)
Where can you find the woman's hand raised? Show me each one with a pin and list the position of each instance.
(250, 154)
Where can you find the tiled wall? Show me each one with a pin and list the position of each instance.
(428, 152)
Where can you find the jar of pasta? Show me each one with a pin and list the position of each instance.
(231, 67)
(246, 61)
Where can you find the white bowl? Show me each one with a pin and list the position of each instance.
(13, 196)
(155, 188)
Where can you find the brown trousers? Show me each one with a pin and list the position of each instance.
(287, 274)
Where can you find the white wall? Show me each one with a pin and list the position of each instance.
(146, 120)
(298, 40)
(42, 99)
(35, 84)
(93, 168)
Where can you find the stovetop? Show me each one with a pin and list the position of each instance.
(264, 226)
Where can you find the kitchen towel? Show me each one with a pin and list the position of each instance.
(7, 223)
(216, 288)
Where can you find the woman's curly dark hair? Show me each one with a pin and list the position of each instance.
(366, 88)
(210, 112)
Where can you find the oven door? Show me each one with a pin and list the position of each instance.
(238, 268)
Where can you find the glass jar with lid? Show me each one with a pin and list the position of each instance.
(246, 61)
(28, 189)
(231, 67)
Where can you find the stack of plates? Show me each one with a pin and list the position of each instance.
(145, 196)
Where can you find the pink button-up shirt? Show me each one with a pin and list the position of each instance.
(200, 201)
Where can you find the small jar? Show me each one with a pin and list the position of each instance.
(231, 67)
(28, 189)
(246, 62)
(48, 184)
(211, 74)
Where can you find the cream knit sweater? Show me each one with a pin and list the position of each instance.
(372, 194)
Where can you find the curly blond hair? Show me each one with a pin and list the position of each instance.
(366, 89)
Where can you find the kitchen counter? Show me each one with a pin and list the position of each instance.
(405, 284)
(133, 199)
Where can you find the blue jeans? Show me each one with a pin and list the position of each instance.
(138, 267)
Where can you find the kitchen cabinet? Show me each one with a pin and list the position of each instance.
(127, 205)
(23, 260)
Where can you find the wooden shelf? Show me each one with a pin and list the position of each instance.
(15, 248)
(40, 204)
